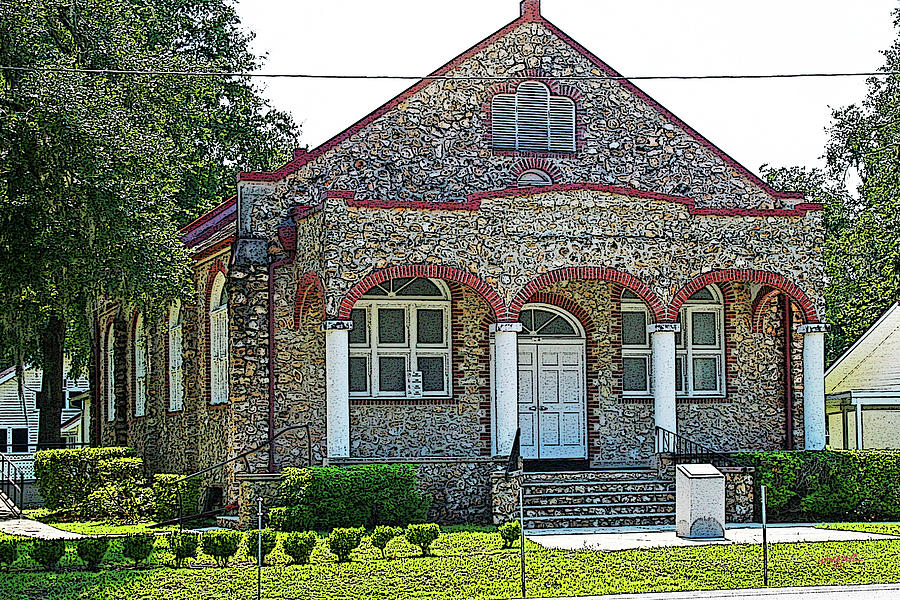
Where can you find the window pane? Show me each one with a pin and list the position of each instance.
(3, 441)
(541, 317)
(634, 374)
(705, 379)
(634, 328)
(430, 326)
(558, 326)
(679, 373)
(420, 287)
(703, 328)
(20, 440)
(359, 374)
(702, 294)
(358, 333)
(527, 320)
(392, 374)
(432, 368)
(391, 326)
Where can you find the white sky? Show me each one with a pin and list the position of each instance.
(780, 122)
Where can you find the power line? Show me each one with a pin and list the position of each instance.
(439, 77)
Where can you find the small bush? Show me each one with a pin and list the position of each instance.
(422, 535)
(184, 546)
(66, 477)
(344, 540)
(382, 535)
(269, 540)
(47, 552)
(9, 551)
(138, 546)
(92, 551)
(299, 546)
(289, 518)
(510, 533)
(221, 545)
(165, 495)
(121, 501)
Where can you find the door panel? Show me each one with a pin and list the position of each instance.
(528, 413)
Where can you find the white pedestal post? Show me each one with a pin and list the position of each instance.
(662, 346)
(337, 387)
(506, 383)
(813, 384)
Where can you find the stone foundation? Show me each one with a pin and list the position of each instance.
(252, 486)
(739, 494)
(505, 496)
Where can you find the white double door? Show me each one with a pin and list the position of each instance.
(552, 405)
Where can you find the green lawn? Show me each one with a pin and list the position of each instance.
(885, 528)
(468, 564)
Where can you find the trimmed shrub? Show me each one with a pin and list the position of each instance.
(824, 485)
(47, 552)
(221, 545)
(165, 495)
(92, 551)
(423, 535)
(123, 501)
(285, 518)
(510, 532)
(138, 546)
(323, 498)
(299, 546)
(344, 540)
(269, 540)
(382, 535)
(9, 551)
(66, 477)
(184, 546)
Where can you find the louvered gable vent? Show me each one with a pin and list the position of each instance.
(532, 119)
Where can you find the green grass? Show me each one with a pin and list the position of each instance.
(467, 564)
(884, 528)
(101, 528)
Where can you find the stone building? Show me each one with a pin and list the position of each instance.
(524, 240)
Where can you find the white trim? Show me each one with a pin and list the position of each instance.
(176, 357)
(109, 378)
(218, 344)
(141, 366)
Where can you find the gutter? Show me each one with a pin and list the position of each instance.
(287, 234)
(788, 373)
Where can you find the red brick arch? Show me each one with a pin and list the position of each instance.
(774, 280)
(434, 271)
(596, 273)
(309, 289)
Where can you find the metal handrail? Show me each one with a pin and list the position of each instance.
(512, 463)
(12, 484)
(687, 450)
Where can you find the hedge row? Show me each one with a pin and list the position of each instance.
(324, 498)
(825, 485)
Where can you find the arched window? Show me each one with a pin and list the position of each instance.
(635, 345)
(140, 367)
(534, 177)
(176, 372)
(400, 342)
(538, 321)
(700, 346)
(532, 119)
(110, 379)
(218, 341)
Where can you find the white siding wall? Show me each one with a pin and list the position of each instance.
(11, 407)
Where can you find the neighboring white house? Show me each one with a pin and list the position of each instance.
(863, 389)
(19, 427)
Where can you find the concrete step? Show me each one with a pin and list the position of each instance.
(8, 510)
(584, 521)
(598, 475)
(592, 510)
(597, 498)
(635, 486)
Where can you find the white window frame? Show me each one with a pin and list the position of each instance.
(110, 379)
(533, 120)
(687, 351)
(371, 350)
(218, 343)
(141, 367)
(642, 351)
(176, 358)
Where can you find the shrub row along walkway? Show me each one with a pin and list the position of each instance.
(36, 529)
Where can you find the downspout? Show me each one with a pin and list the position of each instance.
(788, 373)
(287, 234)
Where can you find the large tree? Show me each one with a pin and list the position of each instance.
(98, 171)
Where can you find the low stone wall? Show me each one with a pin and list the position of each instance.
(505, 496)
(252, 486)
(460, 486)
(739, 496)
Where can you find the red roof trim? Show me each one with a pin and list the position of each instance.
(301, 158)
(210, 223)
(213, 212)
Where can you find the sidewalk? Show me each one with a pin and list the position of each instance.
(664, 536)
(36, 529)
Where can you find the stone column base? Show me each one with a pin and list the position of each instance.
(253, 486)
(504, 497)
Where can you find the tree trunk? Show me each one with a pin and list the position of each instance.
(51, 398)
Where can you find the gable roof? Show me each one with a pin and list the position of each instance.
(873, 362)
(530, 13)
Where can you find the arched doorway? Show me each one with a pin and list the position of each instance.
(552, 399)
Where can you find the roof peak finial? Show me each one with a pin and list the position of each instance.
(530, 9)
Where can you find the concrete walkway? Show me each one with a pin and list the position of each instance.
(889, 591)
(660, 536)
(36, 529)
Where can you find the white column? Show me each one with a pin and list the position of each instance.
(506, 383)
(859, 428)
(337, 387)
(813, 384)
(662, 346)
